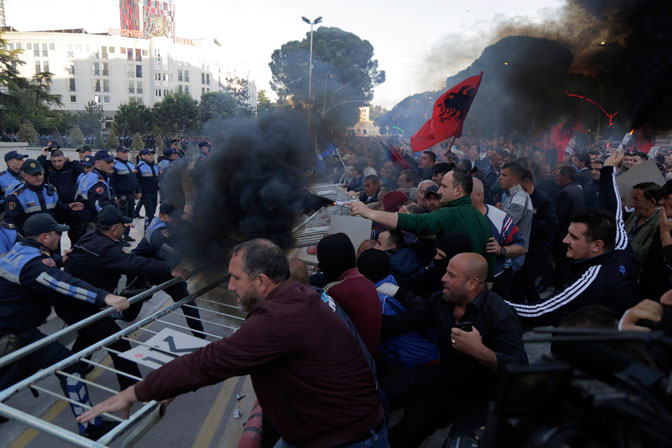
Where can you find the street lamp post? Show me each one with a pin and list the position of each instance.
(310, 57)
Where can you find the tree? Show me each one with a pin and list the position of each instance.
(76, 137)
(217, 105)
(160, 145)
(90, 120)
(264, 104)
(112, 141)
(137, 145)
(344, 75)
(176, 115)
(239, 88)
(27, 133)
(132, 118)
(99, 143)
(41, 88)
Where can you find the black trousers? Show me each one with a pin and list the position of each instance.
(524, 288)
(127, 206)
(148, 201)
(97, 331)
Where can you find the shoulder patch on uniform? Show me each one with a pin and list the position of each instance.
(100, 190)
(11, 205)
(165, 233)
(49, 262)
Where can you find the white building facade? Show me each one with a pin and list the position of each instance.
(112, 69)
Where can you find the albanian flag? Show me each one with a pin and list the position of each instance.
(448, 115)
(561, 134)
(645, 140)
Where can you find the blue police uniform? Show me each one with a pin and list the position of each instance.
(27, 200)
(8, 237)
(148, 181)
(163, 165)
(94, 192)
(125, 184)
(8, 180)
(29, 279)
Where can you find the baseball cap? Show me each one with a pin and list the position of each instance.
(146, 151)
(32, 166)
(88, 161)
(202, 144)
(103, 155)
(122, 149)
(110, 215)
(42, 223)
(84, 148)
(169, 151)
(14, 155)
(432, 189)
(664, 190)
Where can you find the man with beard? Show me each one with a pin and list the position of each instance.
(300, 356)
(478, 334)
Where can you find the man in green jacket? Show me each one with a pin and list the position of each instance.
(456, 214)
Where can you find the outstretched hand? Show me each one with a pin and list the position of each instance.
(120, 402)
(615, 158)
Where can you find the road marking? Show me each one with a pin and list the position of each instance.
(215, 414)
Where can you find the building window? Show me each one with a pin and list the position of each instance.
(96, 69)
(73, 86)
(71, 54)
(157, 76)
(138, 71)
(122, 50)
(104, 52)
(106, 85)
(144, 53)
(186, 90)
(46, 66)
(71, 69)
(179, 89)
(45, 51)
(131, 87)
(106, 69)
(129, 54)
(11, 46)
(202, 90)
(106, 100)
(138, 56)
(18, 45)
(97, 98)
(158, 92)
(165, 76)
(202, 78)
(36, 50)
(130, 71)
(179, 75)
(139, 87)
(207, 79)
(186, 76)
(96, 85)
(73, 98)
(52, 46)
(37, 67)
(29, 46)
(110, 50)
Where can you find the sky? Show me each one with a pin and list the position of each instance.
(417, 43)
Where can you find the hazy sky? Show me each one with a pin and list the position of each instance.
(418, 43)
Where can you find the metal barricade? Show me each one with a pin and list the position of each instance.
(139, 421)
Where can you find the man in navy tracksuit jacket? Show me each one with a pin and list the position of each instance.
(604, 270)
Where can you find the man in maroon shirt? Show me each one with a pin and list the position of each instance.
(308, 371)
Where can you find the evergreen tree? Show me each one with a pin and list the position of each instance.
(112, 141)
(27, 133)
(160, 146)
(76, 137)
(99, 143)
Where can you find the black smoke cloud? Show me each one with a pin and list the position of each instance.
(617, 52)
(252, 185)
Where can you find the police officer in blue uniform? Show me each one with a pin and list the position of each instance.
(8, 237)
(148, 181)
(125, 184)
(33, 196)
(94, 188)
(158, 243)
(11, 176)
(169, 156)
(29, 280)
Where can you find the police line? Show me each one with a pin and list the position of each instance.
(143, 413)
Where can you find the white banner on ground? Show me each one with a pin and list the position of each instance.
(168, 344)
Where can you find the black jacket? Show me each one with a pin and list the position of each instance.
(65, 179)
(609, 279)
(544, 222)
(101, 261)
(569, 200)
(464, 377)
(29, 288)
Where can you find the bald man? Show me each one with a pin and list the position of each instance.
(477, 335)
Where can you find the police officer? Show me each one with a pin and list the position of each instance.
(100, 259)
(94, 188)
(203, 150)
(158, 243)
(148, 180)
(82, 152)
(34, 196)
(125, 185)
(29, 280)
(169, 156)
(8, 237)
(62, 174)
(12, 176)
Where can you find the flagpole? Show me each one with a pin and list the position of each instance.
(451, 144)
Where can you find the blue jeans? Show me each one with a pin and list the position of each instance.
(377, 440)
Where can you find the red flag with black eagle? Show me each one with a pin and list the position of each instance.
(448, 115)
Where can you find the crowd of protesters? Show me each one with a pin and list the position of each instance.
(469, 247)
